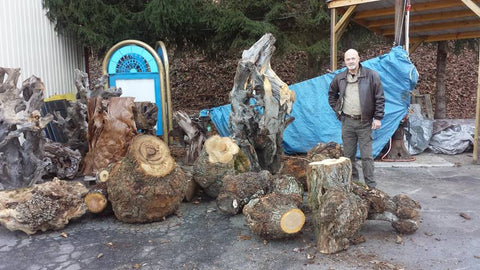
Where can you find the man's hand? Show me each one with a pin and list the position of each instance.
(376, 124)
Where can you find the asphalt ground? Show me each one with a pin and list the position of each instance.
(198, 236)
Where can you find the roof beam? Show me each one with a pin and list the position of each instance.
(415, 8)
(343, 3)
(345, 18)
(454, 36)
(471, 5)
(435, 27)
(420, 18)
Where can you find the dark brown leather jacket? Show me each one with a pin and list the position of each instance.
(372, 100)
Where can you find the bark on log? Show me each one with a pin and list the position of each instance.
(288, 186)
(274, 216)
(258, 128)
(401, 211)
(219, 157)
(338, 213)
(111, 127)
(327, 174)
(63, 162)
(42, 207)
(21, 164)
(238, 190)
(146, 185)
(194, 138)
(297, 165)
(323, 151)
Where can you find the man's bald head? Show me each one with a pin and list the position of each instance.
(352, 60)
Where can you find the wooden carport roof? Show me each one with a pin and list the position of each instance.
(429, 20)
(409, 23)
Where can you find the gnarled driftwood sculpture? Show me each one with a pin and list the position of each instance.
(260, 104)
(21, 164)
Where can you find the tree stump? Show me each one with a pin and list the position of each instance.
(42, 206)
(338, 213)
(274, 216)
(146, 185)
(326, 174)
(238, 190)
(220, 156)
(111, 127)
(258, 126)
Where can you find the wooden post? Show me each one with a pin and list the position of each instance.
(398, 21)
(333, 39)
(476, 151)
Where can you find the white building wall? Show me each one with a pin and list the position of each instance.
(29, 41)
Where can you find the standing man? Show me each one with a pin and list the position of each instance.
(356, 96)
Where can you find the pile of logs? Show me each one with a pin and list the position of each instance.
(269, 203)
(341, 207)
(138, 179)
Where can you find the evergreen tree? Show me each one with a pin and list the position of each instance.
(213, 25)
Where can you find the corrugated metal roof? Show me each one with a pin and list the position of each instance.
(430, 20)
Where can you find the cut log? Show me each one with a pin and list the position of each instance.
(277, 214)
(220, 156)
(258, 128)
(42, 207)
(102, 176)
(338, 219)
(326, 174)
(111, 127)
(401, 211)
(238, 190)
(297, 165)
(97, 198)
(146, 185)
(338, 213)
(274, 216)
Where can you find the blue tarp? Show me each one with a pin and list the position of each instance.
(316, 122)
